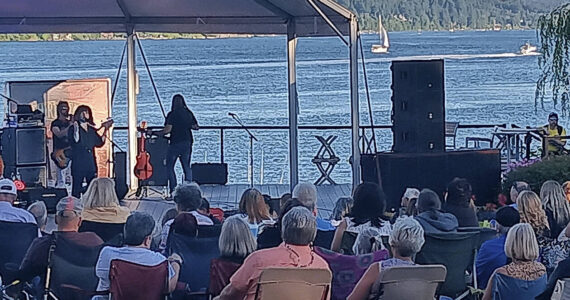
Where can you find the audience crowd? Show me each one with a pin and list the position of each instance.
(522, 255)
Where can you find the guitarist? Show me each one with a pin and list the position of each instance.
(61, 153)
(84, 138)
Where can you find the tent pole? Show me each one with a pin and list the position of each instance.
(132, 110)
(354, 104)
(293, 104)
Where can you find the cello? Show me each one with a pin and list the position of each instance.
(143, 168)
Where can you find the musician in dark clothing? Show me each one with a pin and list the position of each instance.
(179, 123)
(83, 138)
(61, 153)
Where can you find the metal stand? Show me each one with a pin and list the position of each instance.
(251, 139)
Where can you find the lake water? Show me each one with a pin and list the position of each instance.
(486, 82)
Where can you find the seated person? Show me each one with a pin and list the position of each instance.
(553, 131)
(410, 196)
(562, 271)
(188, 199)
(39, 210)
(341, 209)
(271, 235)
(517, 188)
(236, 243)
(254, 211)
(406, 239)
(430, 216)
(491, 255)
(458, 203)
(298, 230)
(68, 220)
(9, 213)
(138, 237)
(204, 210)
(524, 278)
(306, 193)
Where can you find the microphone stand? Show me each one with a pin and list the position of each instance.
(251, 139)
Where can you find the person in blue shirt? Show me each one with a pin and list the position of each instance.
(492, 253)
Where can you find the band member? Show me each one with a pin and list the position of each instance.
(552, 129)
(61, 153)
(180, 122)
(83, 138)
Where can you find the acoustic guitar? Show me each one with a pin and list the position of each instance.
(143, 168)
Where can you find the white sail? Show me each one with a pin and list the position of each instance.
(384, 38)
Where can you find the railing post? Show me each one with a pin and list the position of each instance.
(221, 145)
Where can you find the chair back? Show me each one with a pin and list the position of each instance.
(16, 239)
(348, 240)
(450, 132)
(111, 233)
(561, 290)
(324, 238)
(506, 287)
(134, 281)
(347, 269)
(218, 213)
(208, 231)
(456, 251)
(411, 282)
(73, 265)
(293, 283)
(196, 254)
(485, 234)
(221, 271)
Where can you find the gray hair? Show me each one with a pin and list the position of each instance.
(306, 193)
(407, 237)
(39, 210)
(236, 239)
(187, 196)
(299, 226)
(139, 225)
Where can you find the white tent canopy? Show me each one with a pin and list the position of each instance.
(294, 18)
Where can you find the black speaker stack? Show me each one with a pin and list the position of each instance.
(418, 102)
(157, 147)
(24, 155)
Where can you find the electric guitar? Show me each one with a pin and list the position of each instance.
(61, 158)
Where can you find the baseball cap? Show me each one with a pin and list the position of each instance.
(411, 193)
(69, 203)
(507, 216)
(7, 186)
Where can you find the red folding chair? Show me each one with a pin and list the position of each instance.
(134, 281)
(218, 213)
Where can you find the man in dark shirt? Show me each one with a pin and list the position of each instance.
(61, 153)
(179, 123)
(68, 219)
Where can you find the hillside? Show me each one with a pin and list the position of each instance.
(447, 14)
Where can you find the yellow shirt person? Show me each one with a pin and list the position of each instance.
(554, 130)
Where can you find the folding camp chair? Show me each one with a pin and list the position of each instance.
(133, 281)
(16, 238)
(293, 283)
(412, 282)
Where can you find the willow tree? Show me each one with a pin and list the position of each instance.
(554, 61)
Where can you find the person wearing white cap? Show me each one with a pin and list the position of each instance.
(9, 213)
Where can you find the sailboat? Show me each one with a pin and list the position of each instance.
(382, 48)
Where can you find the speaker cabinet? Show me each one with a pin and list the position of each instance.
(120, 174)
(418, 106)
(24, 146)
(32, 176)
(210, 173)
(157, 148)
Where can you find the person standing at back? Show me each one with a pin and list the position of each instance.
(458, 202)
(180, 122)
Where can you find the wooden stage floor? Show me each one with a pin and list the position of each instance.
(227, 197)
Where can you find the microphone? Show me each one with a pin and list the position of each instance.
(231, 114)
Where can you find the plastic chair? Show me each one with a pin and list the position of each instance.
(16, 239)
(134, 281)
(293, 283)
(456, 251)
(111, 233)
(221, 271)
(197, 253)
(347, 269)
(411, 282)
(506, 287)
(71, 269)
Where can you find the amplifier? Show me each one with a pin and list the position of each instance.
(24, 146)
(50, 196)
(32, 176)
(157, 147)
(210, 173)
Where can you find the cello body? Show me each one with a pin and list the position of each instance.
(143, 168)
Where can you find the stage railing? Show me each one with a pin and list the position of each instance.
(363, 129)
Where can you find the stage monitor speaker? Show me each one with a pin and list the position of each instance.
(157, 147)
(50, 196)
(24, 146)
(32, 176)
(120, 174)
(482, 168)
(418, 106)
(210, 173)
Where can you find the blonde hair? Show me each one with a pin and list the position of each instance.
(521, 243)
(100, 193)
(253, 205)
(554, 200)
(531, 212)
(236, 239)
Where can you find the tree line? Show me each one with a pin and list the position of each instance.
(400, 15)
